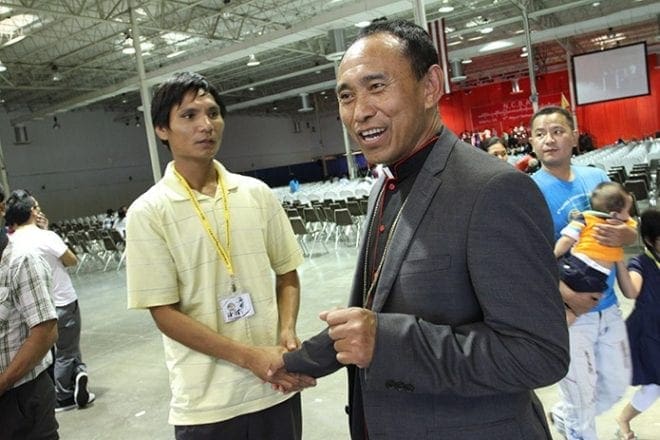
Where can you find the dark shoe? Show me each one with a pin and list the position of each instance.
(80, 393)
(65, 405)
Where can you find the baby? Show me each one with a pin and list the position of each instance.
(584, 263)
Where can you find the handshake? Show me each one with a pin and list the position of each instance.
(353, 331)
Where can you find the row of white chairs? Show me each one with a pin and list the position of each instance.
(626, 155)
(319, 191)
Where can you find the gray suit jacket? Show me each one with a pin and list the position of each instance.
(469, 315)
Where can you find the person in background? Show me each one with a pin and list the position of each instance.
(28, 330)
(495, 147)
(109, 219)
(3, 229)
(444, 338)
(224, 296)
(120, 223)
(29, 225)
(640, 281)
(294, 185)
(600, 361)
(528, 164)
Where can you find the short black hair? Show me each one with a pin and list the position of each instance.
(550, 110)
(485, 145)
(172, 92)
(19, 207)
(609, 197)
(650, 227)
(417, 43)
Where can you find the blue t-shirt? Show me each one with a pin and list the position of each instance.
(566, 200)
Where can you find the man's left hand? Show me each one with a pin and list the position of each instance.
(354, 333)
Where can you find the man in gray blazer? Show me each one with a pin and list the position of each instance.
(455, 314)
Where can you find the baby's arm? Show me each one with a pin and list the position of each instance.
(563, 245)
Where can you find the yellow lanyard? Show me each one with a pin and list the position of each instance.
(224, 253)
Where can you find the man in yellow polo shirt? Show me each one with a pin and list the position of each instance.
(202, 247)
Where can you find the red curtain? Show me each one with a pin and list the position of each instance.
(499, 108)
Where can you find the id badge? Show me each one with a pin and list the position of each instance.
(237, 307)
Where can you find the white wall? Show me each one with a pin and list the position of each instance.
(252, 143)
(93, 162)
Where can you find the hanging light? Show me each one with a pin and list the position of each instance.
(446, 7)
(3, 68)
(56, 75)
(253, 61)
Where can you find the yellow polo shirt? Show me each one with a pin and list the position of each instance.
(170, 258)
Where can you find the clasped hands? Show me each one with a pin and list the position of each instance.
(353, 331)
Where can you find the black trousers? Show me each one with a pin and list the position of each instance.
(280, 422)
(27, 412)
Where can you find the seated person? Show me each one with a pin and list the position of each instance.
(495, 147)
(528, 163)
(585, 264)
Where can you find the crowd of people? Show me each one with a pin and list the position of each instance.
(443, 335)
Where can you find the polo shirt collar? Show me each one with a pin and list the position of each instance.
(179, 193)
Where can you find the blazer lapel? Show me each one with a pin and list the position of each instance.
(426, 184)
(358, 277)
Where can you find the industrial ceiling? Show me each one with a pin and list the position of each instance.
(75, 54)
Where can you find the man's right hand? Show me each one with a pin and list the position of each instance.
(267, 364)
(579, 302)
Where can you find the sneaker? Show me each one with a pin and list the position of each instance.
(80, 393)
(65, 405)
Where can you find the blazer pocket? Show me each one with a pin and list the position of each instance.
(439, 262)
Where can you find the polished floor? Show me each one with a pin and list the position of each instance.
(123, 352)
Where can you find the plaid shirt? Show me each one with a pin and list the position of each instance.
(25, 301)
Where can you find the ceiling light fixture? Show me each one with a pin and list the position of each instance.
(494, 45)
(363, 24)
(446, 7)
(466, 61)
(56, 75)
(3, 68)
(175, 53)
(128, 48)
(13, 40)
(253, 61)
(486, 30)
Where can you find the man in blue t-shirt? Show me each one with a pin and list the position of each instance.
(600, 367)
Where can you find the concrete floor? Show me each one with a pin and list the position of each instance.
(124, 355)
